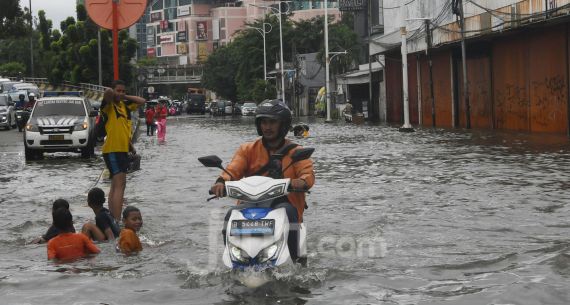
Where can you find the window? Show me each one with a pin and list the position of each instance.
(157, 5)
(184, 2)
(170, 3)
(170, 13)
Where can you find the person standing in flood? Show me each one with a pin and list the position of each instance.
(117, 105)
(161, 113)
(150, 125)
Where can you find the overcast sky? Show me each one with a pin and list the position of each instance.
(56, 10)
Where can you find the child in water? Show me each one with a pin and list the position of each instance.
(52, 230)
(129, 242)
(68, 245)
(105, 227)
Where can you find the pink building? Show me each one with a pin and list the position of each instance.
(186, 31)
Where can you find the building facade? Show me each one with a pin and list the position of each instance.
(185, 32)
(517, 59)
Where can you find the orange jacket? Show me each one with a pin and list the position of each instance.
(252, 156)
(70, 245)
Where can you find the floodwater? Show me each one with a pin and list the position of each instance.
(431, 217)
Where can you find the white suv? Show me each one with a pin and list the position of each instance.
(61, 123)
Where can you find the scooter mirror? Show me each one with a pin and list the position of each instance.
(211, 161)
(302, 154)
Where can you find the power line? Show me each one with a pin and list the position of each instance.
(395, 7)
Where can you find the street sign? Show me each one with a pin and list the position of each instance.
(115, 15)
(150, 89)
(129, 11)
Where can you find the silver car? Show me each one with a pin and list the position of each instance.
(7, 113)
(249, 109)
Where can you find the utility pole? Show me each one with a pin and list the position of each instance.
(369, 21)
(464, 64)
(99, 57)
(407, 127)
(327, 63)
(430, 65)
(31, 41)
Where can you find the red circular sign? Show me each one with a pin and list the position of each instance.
(129, 11)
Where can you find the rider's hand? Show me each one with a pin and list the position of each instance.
(218, 189)
(298, 184)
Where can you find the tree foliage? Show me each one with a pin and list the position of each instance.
(13, 68)
(12, 20)
(235, 71)
(72, 53)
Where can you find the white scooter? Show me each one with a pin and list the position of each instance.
(258, 229)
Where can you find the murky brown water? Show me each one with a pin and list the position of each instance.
(432, 217)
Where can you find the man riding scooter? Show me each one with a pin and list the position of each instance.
(268, 156)
(23, 111)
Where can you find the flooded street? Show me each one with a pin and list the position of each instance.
(431, 217)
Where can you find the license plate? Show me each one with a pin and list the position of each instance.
(259, 227)
(56, 137)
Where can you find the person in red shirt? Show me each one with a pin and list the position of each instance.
(161, 113)
(129, 242)
(68, 245)
(150, 125)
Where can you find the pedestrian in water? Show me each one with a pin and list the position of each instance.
(117, 106)
(68, 245)
(150, 124)
(161, 113)
(52, 230)
(129, 242)
(105, 227)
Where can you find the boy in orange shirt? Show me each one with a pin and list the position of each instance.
(68, 245)
(129, 241)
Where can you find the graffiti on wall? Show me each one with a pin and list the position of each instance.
(549, 98)
(512, 105)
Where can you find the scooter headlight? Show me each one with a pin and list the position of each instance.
(268, 253)
(239, 255)
(274, 192)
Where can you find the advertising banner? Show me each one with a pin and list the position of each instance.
(181, 36)
(151, 52)
(202, 51)
(182, 48)
(183, 10)
(201, 30)
(166, 38)
(155, 16)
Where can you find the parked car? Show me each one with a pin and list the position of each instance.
(60, 123)
(221, 107)
(249, 108)
(7, 112)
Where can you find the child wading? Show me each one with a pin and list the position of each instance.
(105, 227)
(52, 230)
(129, 242)
(68, 245)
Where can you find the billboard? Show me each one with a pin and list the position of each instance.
(155, 16)
(166, 38)
(181, 36)
(202, 51)
(151, 52)
(183, 10)
(201, 30)
(182, 48)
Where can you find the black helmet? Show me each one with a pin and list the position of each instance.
(274, 109)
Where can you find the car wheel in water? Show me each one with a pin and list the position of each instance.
(88, 151)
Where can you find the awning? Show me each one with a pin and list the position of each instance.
(358, 76)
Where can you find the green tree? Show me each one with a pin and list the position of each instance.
(12, 69)
(220, 72)
(12, 20)
(263, 90)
